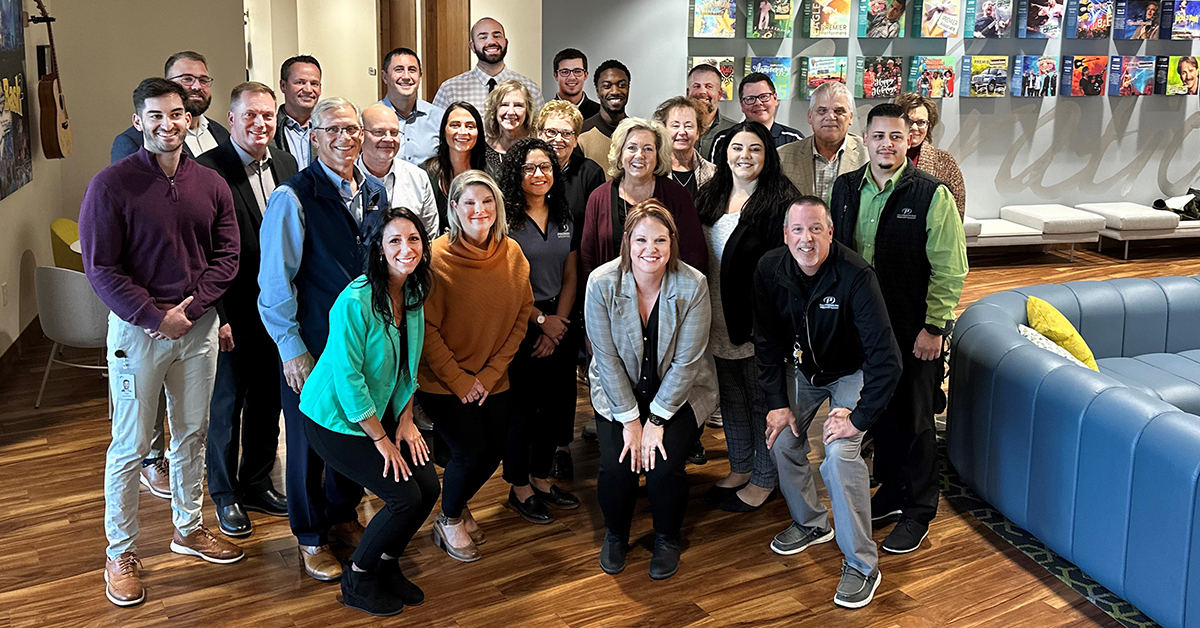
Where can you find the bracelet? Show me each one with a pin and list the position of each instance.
(376, 440)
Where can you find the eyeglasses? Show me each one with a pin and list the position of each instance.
(545, 167)
(188, 80)
(576, 72)
(550, 134)
(351, 130)
(839, 112)
(920, 124)
(762, 98)
(382, 133)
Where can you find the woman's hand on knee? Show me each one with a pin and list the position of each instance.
(392, 460)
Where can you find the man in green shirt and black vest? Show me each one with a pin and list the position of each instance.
(905, 223)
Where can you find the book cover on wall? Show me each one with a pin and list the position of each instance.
(881, 19)
(878, 77)
(1130, 75)
(1176, 76)
(987, 19)
(1034, 76)
(1083, 75)
(935, 18)
(769, 19)
(1142, 19)
(778, 68)
(825, 19)
(16, 156)
(1088, 19)
(984, 76)
(932, 77)
(1186, 20)
(816, 70)
(725, 65)
(1039, 19)
(714, 18)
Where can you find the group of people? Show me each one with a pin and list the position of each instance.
(373, 273)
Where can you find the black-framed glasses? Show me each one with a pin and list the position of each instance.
(188, 80)
(545, 167)
(550, 134)
(576, 72)
(762, 98)
(352, 130)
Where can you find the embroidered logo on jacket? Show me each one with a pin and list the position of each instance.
(828, 303)
(906, 214)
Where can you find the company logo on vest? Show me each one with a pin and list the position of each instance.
(906, 214)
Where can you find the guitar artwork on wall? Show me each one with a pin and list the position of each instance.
(55, 127)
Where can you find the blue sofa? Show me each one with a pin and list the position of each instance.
(1104, 468)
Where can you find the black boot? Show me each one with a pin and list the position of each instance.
(665, 562)
(369, 594)
(409, 593)
(612, 554)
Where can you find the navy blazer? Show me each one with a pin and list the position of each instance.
(130, 140)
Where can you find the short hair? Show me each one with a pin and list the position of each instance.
(1182, 60)
(387, 58)
(190, 55)
(566, 54)
(911, 100)
(329, 104)
(562, 109)
(886, 110)
(611, 64)
(704, 67)
(675, 102)
(755, 77)
(285, 70)
(662, 145)
(808, 199)
(155, 87)
(249, 87)
(833, 89)
(649, 209)
(492, 105)
(457, 187)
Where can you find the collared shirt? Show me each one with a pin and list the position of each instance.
(200, 140)
(296, 137)
(825, 171)
(547, 251)
(408, 186)
(262, 180)
(418, 132)
(472, 86)
(945, 245)
(352, 195)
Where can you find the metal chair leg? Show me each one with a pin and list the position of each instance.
(1071, 259)
(46, 376)
(1127, 250)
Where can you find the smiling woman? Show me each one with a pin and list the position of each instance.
(507, 117)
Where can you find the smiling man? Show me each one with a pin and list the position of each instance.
(571, 72)
(612, 87)
(704, 86)
(419, 120)
(300, 84)
(759, 102)
(815, 162)
(190, 70)
(489, 45)
(407, 185)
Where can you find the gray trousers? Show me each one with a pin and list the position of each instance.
(843, 471)
(744, 411)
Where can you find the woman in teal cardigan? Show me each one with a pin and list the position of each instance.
(358, 400)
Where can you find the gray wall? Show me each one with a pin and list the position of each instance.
(1011, 150)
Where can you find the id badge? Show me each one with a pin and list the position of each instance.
(125, 386)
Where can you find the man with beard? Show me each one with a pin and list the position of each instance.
(704, 86)
(189, 69)
(490, 46)
(300, 84)
(759, 103)
(815, 162)
(570, 71)
(419, 120)
(612, 87)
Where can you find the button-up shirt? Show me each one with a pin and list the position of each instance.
(296, 137)
(408, 186)
(418, 132)
(352, 196)
(472, 86)
(200, 140)
(262, 180)
(825, 171)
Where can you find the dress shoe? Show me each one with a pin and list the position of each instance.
(531, 510)
(467, 553)
(421, 420)
(157, 477)
(612, 554)
(370, 594)
(233, 521)
(319, 563)
(122, 581)
(204, 544)
(665, 561)
(557, 498)
(882, 507)
(409, 593)
(563, 467)
(735, 504)
(697, 455)
(349, 532)
(718, 494)
(589, 430)
(268, 502)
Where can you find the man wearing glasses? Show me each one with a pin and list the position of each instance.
(190, 70)
(759, 103)
(815, 162)
(406, 185)
(418, 119)
(313, 240)
(570, 70)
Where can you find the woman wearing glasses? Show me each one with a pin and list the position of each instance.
(460, 148)
(507, 117)
(923, 119)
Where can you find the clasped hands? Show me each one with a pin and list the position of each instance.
(553, 331)
(641, 443)
(174, 324)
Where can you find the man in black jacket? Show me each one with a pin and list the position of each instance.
(246, 391)
(821, 331)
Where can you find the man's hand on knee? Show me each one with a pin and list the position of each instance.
(779, 420)
(838, 425)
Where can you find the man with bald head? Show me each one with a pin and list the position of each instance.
(490, 46)
(407, 185)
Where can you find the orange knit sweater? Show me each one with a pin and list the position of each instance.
(475, 316)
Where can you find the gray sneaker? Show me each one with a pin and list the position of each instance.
(796, 539)
(856, 590)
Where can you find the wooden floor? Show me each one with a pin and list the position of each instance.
(52, 537)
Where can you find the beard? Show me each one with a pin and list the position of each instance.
(194, 106)
(492, 58)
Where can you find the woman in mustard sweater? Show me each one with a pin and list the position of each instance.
(475, 319)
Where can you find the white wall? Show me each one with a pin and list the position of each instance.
(344, 37)
(1011, 150)
(522, 20)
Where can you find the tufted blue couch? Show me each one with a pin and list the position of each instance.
(1104, 468)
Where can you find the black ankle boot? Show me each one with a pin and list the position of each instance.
(409, 593)
(612, 554)
(665, 562)
(369, 594)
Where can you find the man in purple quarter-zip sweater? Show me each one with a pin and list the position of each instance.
(160, 245)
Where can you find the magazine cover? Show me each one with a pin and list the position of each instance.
(1083, 75)
(1034, 76)
(1088, 19)
(1186, 19)
(987, 19)
(769, 19)
(725, 65)
(778, 68)
(714, 18)
(826, 19)
(984, 76)
(1142, 19)
(1176, 76)
(816, 70)
(935, 18)
(881, 19)
(1130, 76)
(932, 77)
(1039, 19)
(878, 77)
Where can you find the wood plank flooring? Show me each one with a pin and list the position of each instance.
(52, 537)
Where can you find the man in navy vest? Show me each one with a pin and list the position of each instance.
(313, 240)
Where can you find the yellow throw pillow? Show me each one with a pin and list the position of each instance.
(1052, 324)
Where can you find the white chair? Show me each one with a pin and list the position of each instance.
(71, 315)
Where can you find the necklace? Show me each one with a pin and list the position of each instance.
(691, 176)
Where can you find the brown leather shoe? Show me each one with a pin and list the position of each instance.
(467, 553)
(206, 545)
(349, 533)
(157, 478)
(122, 582)
(319, 563)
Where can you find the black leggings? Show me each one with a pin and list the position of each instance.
(543, 408)
(407, 503)
(475, 437)
(666, 484)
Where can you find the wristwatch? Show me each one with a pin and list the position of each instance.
(657, 420)
(541, 319)
(940, 331)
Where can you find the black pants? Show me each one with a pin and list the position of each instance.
(906, 441)
(407, 503)
(474, 436)
(543, 407)
(666, 484)
(245, 404)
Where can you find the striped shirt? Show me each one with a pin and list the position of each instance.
(825, 171)
(472, 86)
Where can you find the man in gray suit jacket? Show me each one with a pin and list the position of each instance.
(189, 69)
(815, 162)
